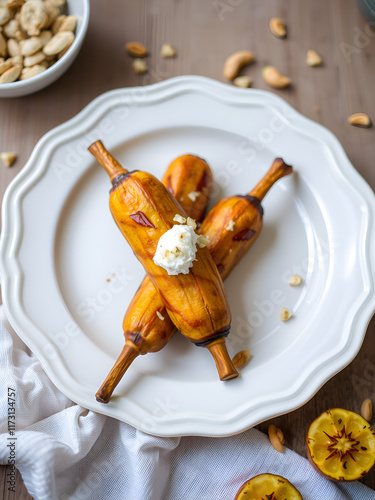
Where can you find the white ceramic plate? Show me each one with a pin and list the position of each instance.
(68, 274)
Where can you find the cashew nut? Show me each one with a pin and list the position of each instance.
(278, 27)
(235, 62)
(274, 78)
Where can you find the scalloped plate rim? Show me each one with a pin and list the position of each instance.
(163, 91)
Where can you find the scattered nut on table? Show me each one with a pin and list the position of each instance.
(235, 62)
(277, 27)
(366, 409)
(139, 66)
(274, 78)
(8, 158)
(167, 50)
(136, 49)
(360, 120)
(275, 438)
(243, 81)
(32, 34)
(313, 58)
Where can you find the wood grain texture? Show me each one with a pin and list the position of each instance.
(204, 34)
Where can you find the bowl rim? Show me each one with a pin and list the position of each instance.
(80, 35)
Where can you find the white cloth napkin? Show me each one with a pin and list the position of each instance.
(64, 451)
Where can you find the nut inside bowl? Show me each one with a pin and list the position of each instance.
(78, 8)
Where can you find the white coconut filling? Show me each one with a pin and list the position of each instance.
(177, 249)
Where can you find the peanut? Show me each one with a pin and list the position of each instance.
(32, 45)
(52, 12)
(295, 280)
(191, 222)
(23, 36)
(3, 46)
(243, 81)
(136, 49)
(277, 27)
(275, 439)
(274, 78)
(139, 66)
(8, 158)
(11, 74)
(5, 65)
(167, 50)
(366, 409)
(34, 59)
(241, 358)
(16, 60)
(69, 23)
(62, 52)
(45, 37)
(360, 120)
(202, 241)
(32, 71)
(5, 15)
(13, 47)
(235, 62)
(11, 28)
(313, 58)
(57, 23)
(285, 314)
(58, 43)
(33, 17)
(178, 218)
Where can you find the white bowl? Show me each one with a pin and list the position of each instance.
(78, 8)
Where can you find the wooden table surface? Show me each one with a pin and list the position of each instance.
(204, 34)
